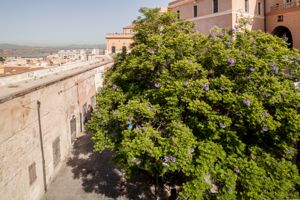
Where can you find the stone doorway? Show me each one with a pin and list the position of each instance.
(285, 33)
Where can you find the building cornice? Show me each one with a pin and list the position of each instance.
(283, 11)
(177, 3)
(227, 12)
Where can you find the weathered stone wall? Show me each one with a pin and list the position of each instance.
(20, 144)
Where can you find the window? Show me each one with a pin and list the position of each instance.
(56, 151)
(178, 14)
(195, 11)
(259, 8)
(113, 49)
(280, 18)
(246, 5)
(32, 173)
(216, 6)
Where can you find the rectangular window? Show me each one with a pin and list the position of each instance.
(195, 11)
(216, 6)
(32, 173)
(246, 5)
(56, 151)
(259, 8)
(280, 18)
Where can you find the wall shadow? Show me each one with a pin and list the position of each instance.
(99, 174)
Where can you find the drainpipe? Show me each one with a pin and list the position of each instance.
(265, 16)
(42, 145)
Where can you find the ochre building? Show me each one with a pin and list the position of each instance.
(118, 42)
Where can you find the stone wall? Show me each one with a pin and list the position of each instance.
(21, 166)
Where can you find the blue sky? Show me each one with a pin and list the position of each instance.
(63, 22)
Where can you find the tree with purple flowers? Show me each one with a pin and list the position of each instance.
(220, 110)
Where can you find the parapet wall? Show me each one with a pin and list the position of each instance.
(39, 120)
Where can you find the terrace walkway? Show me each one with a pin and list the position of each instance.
(90, 176)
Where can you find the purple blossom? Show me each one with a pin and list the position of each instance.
(223, 88)
(186, 83)
(265, 129)
(248, 77)
(138, 127)
(239, 115)
(169, 158)
(288, 152)
(228, 43)
(166, 158)
(221, 35)
(151, 51)
(296, 63)
(271, 64)
(205, 87)
(247, 102)
(285, 38)
(222, 125)
(157, 85)
(252, 69)
(236, 170)
(172, 158)
(213, 36)
(275, 70)
(265, 115)
(230, 61)
(191, 150)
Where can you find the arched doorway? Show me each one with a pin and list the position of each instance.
(285, 33)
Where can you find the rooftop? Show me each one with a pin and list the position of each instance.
(8, 71)
(22, 88)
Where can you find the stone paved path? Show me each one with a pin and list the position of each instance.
(90, 176)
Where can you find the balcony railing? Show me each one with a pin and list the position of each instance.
(281, 6)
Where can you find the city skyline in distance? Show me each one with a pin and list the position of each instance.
(61, 23)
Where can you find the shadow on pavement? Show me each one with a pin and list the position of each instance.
(100, 175)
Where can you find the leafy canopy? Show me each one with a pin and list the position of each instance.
(221, 109)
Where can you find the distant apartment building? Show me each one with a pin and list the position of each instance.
(278, 17)
(118, 42)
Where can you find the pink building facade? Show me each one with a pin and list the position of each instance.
(283, 20)
(274, 16)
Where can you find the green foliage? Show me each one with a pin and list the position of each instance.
(219, 108)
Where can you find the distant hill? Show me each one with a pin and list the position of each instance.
(13, 46)
(72, 46)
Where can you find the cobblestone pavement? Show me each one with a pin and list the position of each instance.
(87, 175)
